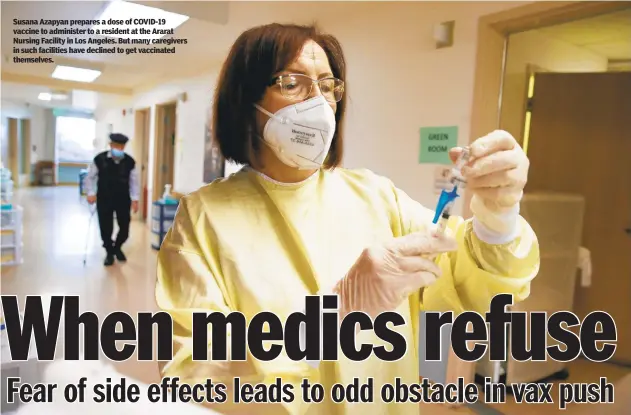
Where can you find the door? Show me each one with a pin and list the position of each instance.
(25, 150)
(14, 151)
(142, 118)
(169, 144)
(580, 142)
(164, 151)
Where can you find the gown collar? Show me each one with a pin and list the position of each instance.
(276, 183)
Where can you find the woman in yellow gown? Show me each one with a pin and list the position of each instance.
(293, 223)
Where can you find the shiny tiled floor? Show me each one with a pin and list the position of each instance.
(56, 228)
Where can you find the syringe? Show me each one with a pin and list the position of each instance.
(449, 195)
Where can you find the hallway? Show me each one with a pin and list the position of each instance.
(57, 225)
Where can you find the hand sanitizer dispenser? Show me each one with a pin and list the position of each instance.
(166, 196)
(167, 192)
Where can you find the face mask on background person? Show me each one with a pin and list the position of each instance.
(116, 153)
(301, 134)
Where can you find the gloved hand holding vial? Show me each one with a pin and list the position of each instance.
(450, 193)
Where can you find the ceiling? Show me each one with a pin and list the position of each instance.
(76, 99)
(608, 35)
(120, 72)
(210, 30)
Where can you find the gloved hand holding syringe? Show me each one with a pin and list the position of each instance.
(383, 276)
(386, 274)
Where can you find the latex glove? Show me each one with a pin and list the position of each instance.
(383, 277)
(496, 174)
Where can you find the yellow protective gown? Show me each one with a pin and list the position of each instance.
(249, 244)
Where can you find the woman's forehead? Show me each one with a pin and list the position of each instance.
(312, 56)
(312, 50)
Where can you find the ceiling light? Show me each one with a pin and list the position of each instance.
(158, 22)
(44, 96)
(58, 96)
(70, 73)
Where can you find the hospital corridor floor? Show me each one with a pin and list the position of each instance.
(57, 225)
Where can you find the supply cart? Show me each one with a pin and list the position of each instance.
(11, 244)
(83, 173)
(162, 217)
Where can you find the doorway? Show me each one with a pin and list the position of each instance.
(567, 105)
(491, 46)
(164, 150)
(14, 150)
(579, 142)
(514, 101)
(141, 133)
(24, 128)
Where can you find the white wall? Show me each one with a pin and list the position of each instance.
(190, 126)
(191, 121)
(50, 132)
(397, 80)
(4, 141)
(14, 109)
(42, 131)
(102, 132)
(9, 109)
(38, 132)
(547, 53)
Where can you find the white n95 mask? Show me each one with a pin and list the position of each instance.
(300, 134)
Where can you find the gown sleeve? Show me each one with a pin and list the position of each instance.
(188, 282)
(478, 270)
(190, 279)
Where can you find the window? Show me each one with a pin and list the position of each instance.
(75, 139)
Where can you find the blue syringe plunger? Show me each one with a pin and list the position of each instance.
(445, 198)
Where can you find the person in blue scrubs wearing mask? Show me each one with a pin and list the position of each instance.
(117, 192)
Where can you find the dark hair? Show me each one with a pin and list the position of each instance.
(256, 56)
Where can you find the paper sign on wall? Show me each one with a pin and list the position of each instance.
(435, 144)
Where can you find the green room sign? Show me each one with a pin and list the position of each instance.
(435, 144)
